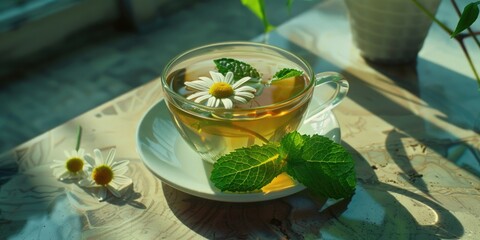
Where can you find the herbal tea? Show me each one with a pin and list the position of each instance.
(275, 110)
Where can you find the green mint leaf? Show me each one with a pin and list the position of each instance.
(324, 167)
(286, 73)
(291, 145)
(247, 169)
(467, 18)
(238, 68)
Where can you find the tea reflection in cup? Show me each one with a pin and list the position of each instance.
(277, 107)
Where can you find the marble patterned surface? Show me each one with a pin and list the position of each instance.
(412, 129)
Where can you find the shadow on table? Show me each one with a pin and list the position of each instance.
(33, 205)
(376, 209)
(449, 97)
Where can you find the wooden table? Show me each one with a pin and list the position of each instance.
(412, 129)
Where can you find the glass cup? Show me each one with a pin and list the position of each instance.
(279, 107)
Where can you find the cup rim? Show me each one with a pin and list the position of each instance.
(275, 105)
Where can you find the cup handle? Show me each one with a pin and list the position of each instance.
(341, 89)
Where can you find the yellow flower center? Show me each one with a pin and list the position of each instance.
(102, 175)
(74, 164)
(221, 90)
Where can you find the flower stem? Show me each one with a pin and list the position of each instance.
(79, 138)
(252, 133)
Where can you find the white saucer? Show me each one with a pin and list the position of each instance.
(168, 156)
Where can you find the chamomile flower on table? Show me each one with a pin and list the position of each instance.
(105, 175)
(220, 90)
(73, 167)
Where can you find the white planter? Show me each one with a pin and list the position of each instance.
(389, 31)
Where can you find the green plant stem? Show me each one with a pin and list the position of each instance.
(234, 126)
(79, 138)
(470, 62)
(432, 16)
(252, 133)
(458, 38)
(474, 36)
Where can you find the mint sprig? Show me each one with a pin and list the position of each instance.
(286, 73)
(241, 69)
(238, 68)
(247, 169)
(323, 166)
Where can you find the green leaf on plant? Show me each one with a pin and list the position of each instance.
(238, 68)
(247, 169)
(291, 145)
(467, 18)
(324, 167)
(289, 5)
(257, 7)
(286, 73)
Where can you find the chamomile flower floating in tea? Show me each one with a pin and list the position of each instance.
(220, 90)
(105, 174)
(72, 167)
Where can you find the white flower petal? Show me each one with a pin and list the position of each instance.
(110, 156)
(217, 77)
(114, 191)
(217, 102)
(98, 157)
(57, 163)
(245, 89)
(211, 102)
(240, 82)
(240, 99)
(197, 94)
(202, 98)
(122, 180)
(245, 94)
(73, 153)
(120, 164)
(120, 171)
(89, 160)
(207, 80)
(227, 103)
(113, 185)
(228, 77)
(67, 154)
(198, 85)
(80, 152)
